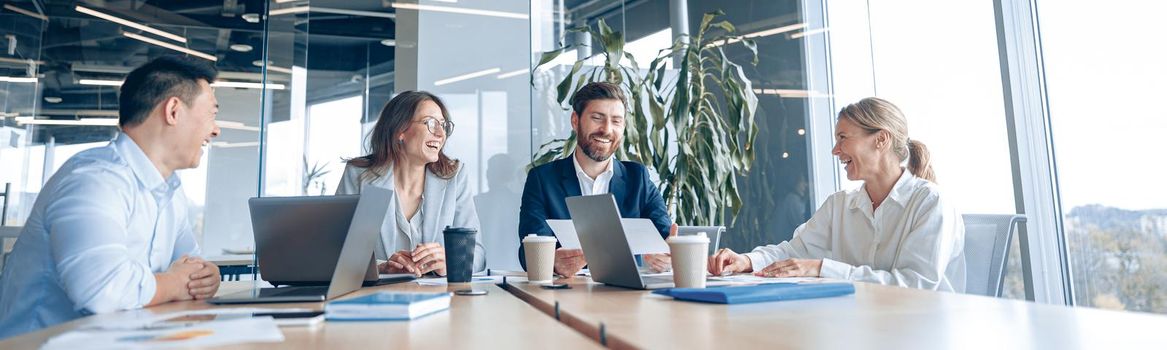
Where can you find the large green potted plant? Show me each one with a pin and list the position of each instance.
(695, 131)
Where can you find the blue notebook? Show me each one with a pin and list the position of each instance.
(382, 306)
(759, 293)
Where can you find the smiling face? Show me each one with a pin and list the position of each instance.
(419, 144)
(856, 150)
(196, 122)
(600, 129)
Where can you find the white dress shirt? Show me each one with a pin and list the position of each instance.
(99, 230)
(915, 239)
(589, 186)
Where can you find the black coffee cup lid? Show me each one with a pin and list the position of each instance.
(460, 229)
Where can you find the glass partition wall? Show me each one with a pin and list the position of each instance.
(777, 191)
(303, 82)
(63, 64)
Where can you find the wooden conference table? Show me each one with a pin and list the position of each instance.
(876, 316)
(591, 315)
(497, 320)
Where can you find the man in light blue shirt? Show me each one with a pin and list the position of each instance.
(110, 230)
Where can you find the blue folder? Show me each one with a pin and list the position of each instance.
(759, 293)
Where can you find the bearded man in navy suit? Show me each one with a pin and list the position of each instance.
(597, 119)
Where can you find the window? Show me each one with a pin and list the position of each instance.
(1106, 124)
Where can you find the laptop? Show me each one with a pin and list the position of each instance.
(301, 240)
(605, 245)
(713, 232)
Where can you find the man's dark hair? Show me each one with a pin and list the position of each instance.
(596, 91)
(157, 80)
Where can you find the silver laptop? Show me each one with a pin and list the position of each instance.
(297, 243)
(713, 232)
(605, 245)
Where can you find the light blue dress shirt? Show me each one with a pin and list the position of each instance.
(99, 230)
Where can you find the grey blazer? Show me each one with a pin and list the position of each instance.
(446, 202)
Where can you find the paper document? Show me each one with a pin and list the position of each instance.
(643, 238)
(565, 233)
(441, 281)
(170, 319)
(751, 279)
(195, 334)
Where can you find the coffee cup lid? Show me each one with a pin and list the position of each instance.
(451, 229)
(700, 237)
(534, 238)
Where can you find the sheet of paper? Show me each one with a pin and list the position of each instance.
(565, 233)
(144, 321)
(643, 238)
(441, 281)
(751, 279)
(198, 334)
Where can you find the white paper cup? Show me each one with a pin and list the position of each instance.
(689, 260)
(540, 254)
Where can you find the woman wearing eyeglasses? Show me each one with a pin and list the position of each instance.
(431, 190)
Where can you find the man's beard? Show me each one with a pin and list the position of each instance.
(592, 148)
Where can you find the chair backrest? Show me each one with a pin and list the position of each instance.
(986, 249)
(713, 232)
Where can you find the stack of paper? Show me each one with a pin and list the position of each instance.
(387, 306)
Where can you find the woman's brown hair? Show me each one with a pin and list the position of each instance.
(396, 117)
(875, 114)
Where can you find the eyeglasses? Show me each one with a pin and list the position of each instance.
(432, 124)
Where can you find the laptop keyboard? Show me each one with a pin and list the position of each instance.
(293, 291)
(656, 279)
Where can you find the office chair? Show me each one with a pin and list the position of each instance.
(986, 250)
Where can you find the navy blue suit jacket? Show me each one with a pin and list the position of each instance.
(549, 185)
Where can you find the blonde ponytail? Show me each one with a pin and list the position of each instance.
(920, 161)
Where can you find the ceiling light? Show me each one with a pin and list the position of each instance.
(13, 8)
(785, 155)
(53, 99)
(790, 92)
(511, 74)
(808, 32)
(99, 82)
(18, 79)
(82, 121)
(243, 85)
(448, 9)
(288, 10)
(272, 67)
(251, 17)
(130, 24)
(389, 42)
(802, 131)
(241, 47)
(170, 46)
(760, 33)
(467, 76)
(336, 11)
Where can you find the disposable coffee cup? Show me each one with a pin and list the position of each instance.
(459, 253)
(689, 260)
(540, 254)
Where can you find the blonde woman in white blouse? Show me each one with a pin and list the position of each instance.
(897, 229)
